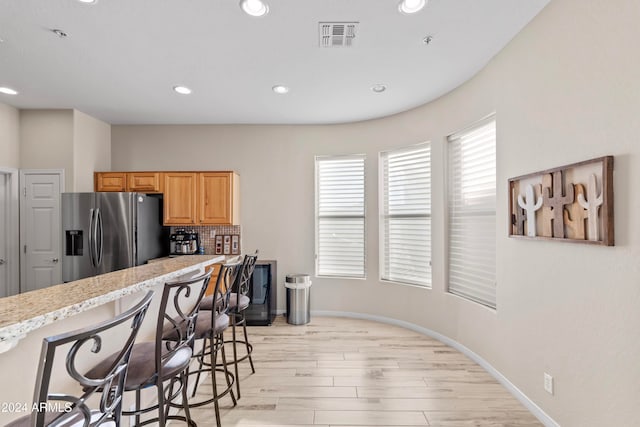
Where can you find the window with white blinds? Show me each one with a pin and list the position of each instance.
(340, 216)
(472, 213)
(405, 215)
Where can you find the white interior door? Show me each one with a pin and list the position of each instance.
(40, 228)
(9, 255)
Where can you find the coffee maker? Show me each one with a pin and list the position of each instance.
(184, 242)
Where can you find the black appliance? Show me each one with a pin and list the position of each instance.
(263, 294)
(184, 242)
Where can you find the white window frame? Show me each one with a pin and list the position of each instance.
(347, 216)
(471, 260)
(419, 264)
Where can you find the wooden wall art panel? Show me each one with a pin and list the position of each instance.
(570, 203)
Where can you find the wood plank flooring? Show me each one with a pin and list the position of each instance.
(348, 372)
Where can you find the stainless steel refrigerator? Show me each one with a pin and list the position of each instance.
(105, 232)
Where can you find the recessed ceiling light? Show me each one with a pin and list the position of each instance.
(182, 90)
(8, 91)
(280, 90)
(411, 6)
(254, 7)
(88, 1)
(59, 33)
(379, 88)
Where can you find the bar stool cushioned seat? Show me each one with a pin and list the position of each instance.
(203, 326)
(142, 366)
(207, 302)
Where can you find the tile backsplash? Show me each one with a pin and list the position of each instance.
(208, 236)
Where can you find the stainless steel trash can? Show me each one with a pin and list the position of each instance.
(298, 296)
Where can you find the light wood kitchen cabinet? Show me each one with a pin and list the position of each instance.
(110, 181)
(144, 182)
(190, 198)
(218, 198)
(141, 182)
(180, 198)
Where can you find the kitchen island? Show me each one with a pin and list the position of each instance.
(26, 319)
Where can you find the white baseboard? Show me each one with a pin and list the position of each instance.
(515, 391)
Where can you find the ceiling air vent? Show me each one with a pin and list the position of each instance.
(337, 34)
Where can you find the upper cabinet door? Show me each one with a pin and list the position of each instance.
(218, 198)
(110, 181)
(180, 198)
(144, 182)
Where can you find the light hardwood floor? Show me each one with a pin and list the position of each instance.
(347, 372)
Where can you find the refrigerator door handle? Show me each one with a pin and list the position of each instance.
(99, 242)
(91, 239)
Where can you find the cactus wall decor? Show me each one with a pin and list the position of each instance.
(571, 203)
(520, 216)
(592, 206)
(546, 213)
(575, 215)
(530, 206)
(555, 198)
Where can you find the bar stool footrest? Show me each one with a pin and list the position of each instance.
(226, 391)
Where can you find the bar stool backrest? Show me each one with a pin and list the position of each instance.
(59, 409)
(243, 281)
(177, 317)
(227, 277)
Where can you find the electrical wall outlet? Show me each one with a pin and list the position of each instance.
(212, 234)
(548, 383)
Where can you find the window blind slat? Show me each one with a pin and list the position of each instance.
(340, 216)
(405, 215)
(472, 214)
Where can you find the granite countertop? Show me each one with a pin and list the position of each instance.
(23, 313)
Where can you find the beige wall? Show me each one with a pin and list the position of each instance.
(65, 139)
(92, 149)
(9, 137)
(564, 90)
(46, 141)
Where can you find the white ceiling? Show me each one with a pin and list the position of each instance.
(122, 58)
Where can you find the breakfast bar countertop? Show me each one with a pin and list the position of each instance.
(23, 313)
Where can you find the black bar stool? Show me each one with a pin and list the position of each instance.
(166, 360)
(210, 328)
(239, 301)
(64, 409)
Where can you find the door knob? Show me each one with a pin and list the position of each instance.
(55, 260)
